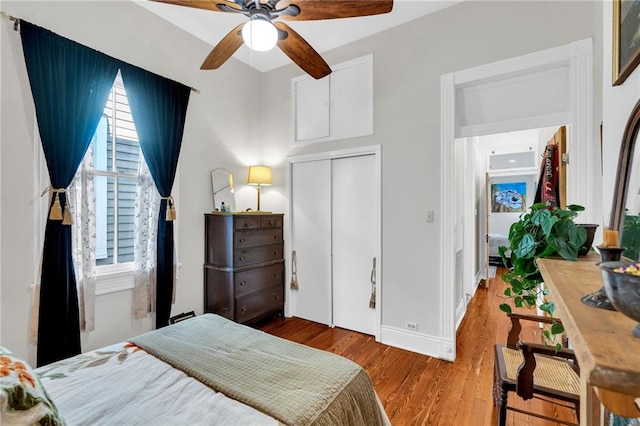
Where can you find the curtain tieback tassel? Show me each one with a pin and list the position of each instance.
(56, 212)
(171, 209)
(56, 209)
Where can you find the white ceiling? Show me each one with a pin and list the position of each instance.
(323, 35)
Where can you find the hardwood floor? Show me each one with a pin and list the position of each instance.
(420, 390)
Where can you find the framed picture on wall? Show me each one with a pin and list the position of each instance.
(508, 197)
(626, 38)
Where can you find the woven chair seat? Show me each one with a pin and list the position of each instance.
(550, 373)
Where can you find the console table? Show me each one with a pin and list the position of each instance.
(608, 354)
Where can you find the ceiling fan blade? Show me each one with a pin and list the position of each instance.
(202, 4)
(333, 9)
(301, 52)
(223, 50)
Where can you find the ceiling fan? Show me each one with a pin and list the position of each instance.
(261, 33)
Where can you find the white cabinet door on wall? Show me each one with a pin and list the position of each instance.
(312, 108)
(336, 107)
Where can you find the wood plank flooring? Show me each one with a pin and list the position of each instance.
(420, 390)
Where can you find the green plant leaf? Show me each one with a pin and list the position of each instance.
(575, 208)
(531, 299)
(507, 292)
(556, 328)
(505, 308)
(518, 301)
(548, 307)
(538, 206)
(526, 245)
(558, 347)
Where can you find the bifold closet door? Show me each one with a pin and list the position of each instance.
(311, 221)
(353, 241)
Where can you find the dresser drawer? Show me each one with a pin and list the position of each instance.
(247, 223)
(258, 303)
(257, 238)
(258, 279)
(259, 254)
(271, 222)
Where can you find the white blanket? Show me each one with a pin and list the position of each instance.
(121, 385)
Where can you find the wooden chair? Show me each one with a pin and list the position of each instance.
(534, 370)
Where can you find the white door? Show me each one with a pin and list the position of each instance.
(353, 242)
(311, 222)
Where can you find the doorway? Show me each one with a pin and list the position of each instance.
(335, 232)
(465, 91)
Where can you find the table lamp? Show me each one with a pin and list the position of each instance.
(259, 175)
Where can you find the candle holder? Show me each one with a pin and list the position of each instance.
(610, 254)
(599, 298)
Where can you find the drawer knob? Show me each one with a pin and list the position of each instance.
(275, 237)
(275, 252)
(241, 240)
(275, 275)
(276, 297)
(242, 284)
(243, 310)
(246, 224)
(241, 257)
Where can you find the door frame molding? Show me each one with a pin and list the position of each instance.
(578, 56)
(374, 150)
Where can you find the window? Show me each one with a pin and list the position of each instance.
(116, 159)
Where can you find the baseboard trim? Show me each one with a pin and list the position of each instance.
(461, 309)
(417, 342)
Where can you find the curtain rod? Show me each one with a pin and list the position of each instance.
(16, 23)
(15, 20)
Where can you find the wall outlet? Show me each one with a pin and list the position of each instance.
(430, 215)
(413, 326)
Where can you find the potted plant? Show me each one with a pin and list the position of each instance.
(540, 232)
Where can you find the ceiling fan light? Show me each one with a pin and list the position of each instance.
(260, 35)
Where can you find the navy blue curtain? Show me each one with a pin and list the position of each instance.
(70, 84)
(159, 107)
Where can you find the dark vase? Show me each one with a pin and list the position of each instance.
(591, 232)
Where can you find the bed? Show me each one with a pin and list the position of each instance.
(495, 241)
(210, 371)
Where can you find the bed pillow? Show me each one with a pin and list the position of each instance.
(23, 399)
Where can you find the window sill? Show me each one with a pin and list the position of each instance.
(112, 282)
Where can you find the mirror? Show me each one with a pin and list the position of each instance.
(625, 210)
(222, 189)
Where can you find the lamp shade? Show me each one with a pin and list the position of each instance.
(259, 175)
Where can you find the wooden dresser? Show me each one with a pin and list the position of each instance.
(243, 265)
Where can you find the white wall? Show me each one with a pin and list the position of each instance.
(408, 63)
(618, 102)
